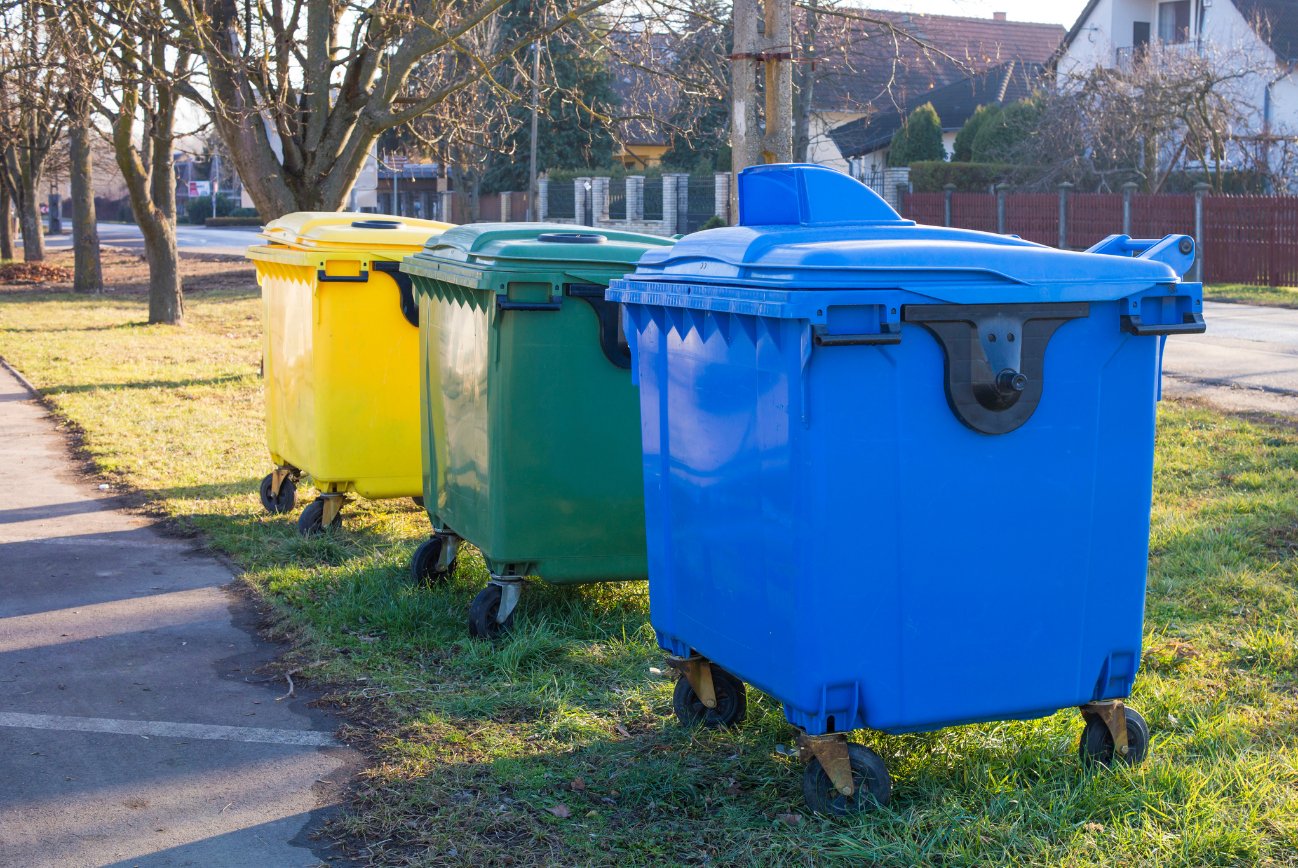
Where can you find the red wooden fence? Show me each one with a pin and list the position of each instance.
(1246, 239)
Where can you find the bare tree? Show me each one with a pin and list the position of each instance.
(6, 224)
(1165, 111)
(79, 80)
(300, 90)
(472, 124)
(32, 111)
(141, 90)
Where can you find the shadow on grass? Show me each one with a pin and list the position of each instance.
(43, 330)
(237, 285)
(148, 384)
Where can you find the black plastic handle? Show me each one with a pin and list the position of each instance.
(995, 356)
(505, 303)
(1191, 324)
(891, 334)
(405, 290)
(322, 277)
(610, 322)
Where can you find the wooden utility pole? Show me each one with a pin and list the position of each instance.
(763, 43)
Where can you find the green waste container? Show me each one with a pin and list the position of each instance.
(530, 424)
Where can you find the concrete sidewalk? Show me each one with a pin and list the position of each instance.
(133, 725)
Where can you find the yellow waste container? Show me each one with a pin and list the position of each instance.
(340, 355)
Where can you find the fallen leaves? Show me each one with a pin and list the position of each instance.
(34, 272)
(561, 811)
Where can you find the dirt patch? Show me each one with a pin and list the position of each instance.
(127, 273)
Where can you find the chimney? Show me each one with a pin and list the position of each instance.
(998, 16)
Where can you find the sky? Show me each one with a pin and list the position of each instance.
(1063, 12)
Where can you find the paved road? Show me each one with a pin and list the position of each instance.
(134, 726)
(1247, 361)
(190, 239)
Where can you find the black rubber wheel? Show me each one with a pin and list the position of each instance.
(1096, 746)
(732, 702)
(419, 502)
(287, 495)
(869, 777)
(482, 614)
(311, 521)
(423, 565)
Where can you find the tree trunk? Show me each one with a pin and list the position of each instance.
(87, 271)
(29, 220)
(805, 88)
(166, 298)
(6, 225)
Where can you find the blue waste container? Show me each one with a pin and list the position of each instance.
(899, 476)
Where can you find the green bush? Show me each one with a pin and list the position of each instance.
(716, 221)
(1002, 137)
(933, 175)
(920, 138)
(965, 138)
(245, 212)
(199, 208)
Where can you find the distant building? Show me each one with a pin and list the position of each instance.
(865, 142)
(1111, 33)
(646, 99)
(894, 62)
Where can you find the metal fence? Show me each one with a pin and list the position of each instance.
(653, 198)
(617, 198)
(698, 205)
(562, 201)
(1244, 239)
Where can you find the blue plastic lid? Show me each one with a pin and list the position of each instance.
(810, 227)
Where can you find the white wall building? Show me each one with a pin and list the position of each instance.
(1244, 33)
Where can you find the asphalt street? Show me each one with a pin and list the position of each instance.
(190, 239)
(136, 725)
(1247, 361)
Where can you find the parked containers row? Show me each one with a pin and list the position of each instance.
(895, 476)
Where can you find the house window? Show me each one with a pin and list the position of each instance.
(1174, 21)
(1139, 34)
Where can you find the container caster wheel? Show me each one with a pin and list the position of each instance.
(730, 694)
(491, 614)
(871, 784)
(426, 566)
(320, 515)
(418, 501)
(1098, 744)
(280, 501)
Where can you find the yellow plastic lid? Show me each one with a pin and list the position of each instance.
(350, 232)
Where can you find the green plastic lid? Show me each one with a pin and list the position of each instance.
(528, 245)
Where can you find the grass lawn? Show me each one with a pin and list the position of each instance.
(1272, 296)
(558, 746)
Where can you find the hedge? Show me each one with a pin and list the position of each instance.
(932, 175)
(232, 221)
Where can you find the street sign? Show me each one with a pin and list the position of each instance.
(398, 162)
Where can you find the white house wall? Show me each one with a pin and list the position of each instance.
(1223, 31)
(820, 147)
(1093, 45)
(1226, 28)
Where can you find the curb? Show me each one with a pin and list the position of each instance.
(26, 383)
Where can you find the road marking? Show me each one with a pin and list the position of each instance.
(165, 729)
